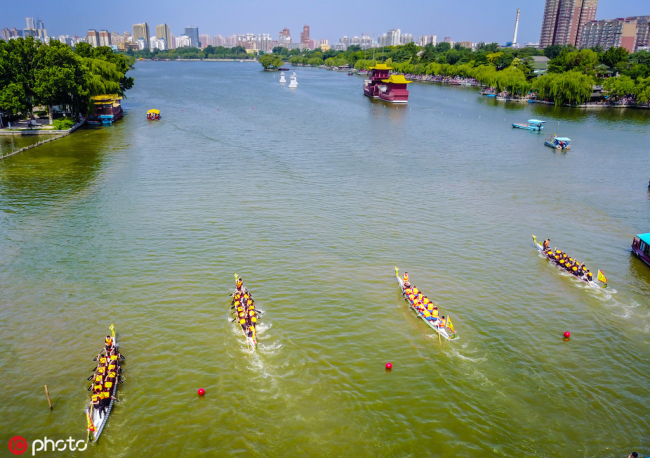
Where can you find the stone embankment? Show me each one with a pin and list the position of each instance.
(54, 135)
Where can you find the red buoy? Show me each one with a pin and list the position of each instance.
(389, 366)
(567, 334)
(201, 391)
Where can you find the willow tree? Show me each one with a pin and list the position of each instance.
(571, 87)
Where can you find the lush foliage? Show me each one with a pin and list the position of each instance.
(33, 74)
(271, 61)
(63, 123)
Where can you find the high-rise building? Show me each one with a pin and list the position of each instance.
(192, 31)
(406, 38)
(15, 33)
(41, 33)
(218, 40)
(92, 38)
(141, 31)
(6, 34)
(628, 33)
(393, 37)
(205, 40)
(183, 41)
(104, 38)
(643, 32)
(427, 39)
(164, 32)
(304, 35)
(265, 42)
(30, 23)
(564, 19)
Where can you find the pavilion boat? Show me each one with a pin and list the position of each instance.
(558, 142)
(641, 247)
(532, 124)
(107, 110)
(375, 77)
(394, 89)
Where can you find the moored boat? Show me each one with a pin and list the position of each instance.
(107, 373)
(570, 265)
(558, 142)
(532, 124)
(641, 247)
(107, 109)
(444, 328)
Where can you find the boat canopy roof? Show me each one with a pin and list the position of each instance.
(644, 237)
(396, 79)
(536, 121)
(154, 111)
(381, 67)
(563, 139)
(105, 98)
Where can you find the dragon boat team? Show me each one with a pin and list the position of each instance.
(109, 344)
(239, 285)
(96, 400)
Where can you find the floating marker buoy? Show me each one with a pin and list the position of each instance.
(389, 366)
(201, 391)
(567, 334)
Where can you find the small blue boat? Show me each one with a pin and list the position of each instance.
(533, 124)
(558, 142)
(491, 95)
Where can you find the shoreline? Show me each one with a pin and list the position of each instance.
(59, 134)
(588, 105)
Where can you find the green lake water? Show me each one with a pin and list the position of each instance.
(313, 195)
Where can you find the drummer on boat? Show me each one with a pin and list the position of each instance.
(406, 280)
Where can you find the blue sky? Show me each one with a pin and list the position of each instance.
(468, 20)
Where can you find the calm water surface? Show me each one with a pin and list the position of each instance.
(313, 195)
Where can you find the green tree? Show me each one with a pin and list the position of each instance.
(614, 56)
(61, 79)
(19, 60)
(270, 61)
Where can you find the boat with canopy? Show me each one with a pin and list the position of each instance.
(153, 114)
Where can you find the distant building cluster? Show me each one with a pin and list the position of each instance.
(573, 22)
(34, 29)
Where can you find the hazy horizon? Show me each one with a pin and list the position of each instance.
(471, 22)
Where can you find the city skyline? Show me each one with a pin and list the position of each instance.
(434, 18)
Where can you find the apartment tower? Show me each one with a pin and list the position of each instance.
(164, 32)
(304, 36)
(141, 31)
(564, 19)
(92, 38)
